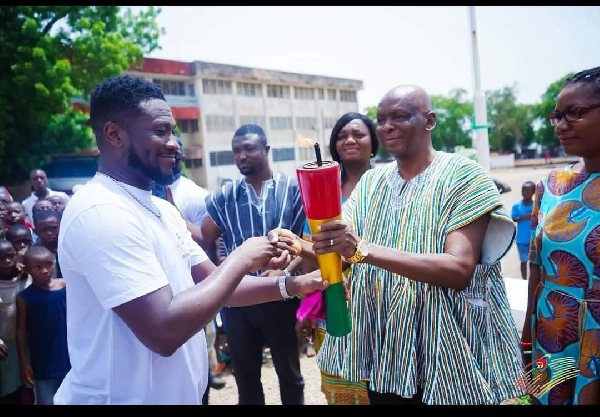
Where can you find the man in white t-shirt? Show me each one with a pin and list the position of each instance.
(39, 181)
(140, 290)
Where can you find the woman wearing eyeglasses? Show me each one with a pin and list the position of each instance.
(563, 312)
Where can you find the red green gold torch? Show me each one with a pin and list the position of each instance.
(321, 192)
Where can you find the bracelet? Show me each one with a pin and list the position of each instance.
(282, 288)
(286, 272)
(526, 344)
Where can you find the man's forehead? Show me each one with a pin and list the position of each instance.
(248, 138)
(156, 109)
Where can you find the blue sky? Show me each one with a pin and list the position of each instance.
(387, 45)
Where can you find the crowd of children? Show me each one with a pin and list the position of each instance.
(34, 356)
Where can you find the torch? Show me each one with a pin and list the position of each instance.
(321, 193)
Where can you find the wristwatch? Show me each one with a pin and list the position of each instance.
(362, 251)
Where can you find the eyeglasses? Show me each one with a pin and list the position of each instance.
(572, 114)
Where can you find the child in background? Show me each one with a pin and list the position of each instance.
(15, 214)
(58, 203)
(12, 281)
(47, 225)
(42, 327)
(521, 214)
(21, 239)
(41, 205)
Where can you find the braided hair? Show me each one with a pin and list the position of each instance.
(589, 77)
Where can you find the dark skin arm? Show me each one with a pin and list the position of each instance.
(26, 371)
(163, 322)
(452, 269)
(523, 217)
(207, 237)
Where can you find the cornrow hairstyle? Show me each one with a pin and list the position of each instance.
(589, 77)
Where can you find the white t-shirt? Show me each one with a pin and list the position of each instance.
(30, 201)
(190, 199)
(112, 250)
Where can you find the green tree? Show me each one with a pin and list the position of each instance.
(48, 56)
(545, 134)
(453, 114)
(511, 123)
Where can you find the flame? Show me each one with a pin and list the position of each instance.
(304, 141)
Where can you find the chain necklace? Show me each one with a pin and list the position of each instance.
(157, 213)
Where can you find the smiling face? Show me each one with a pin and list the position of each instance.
(354, 142)
(580, 137)
(152, 142)
(404, 120)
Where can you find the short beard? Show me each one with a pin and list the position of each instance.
(154, 174)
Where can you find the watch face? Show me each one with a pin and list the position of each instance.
(363, 247)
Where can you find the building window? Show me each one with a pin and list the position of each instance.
(187, 125)
(283, 154)
(191, 90)
(216, 87)
(280, 123)
(321, 94)
(329, 122)
(306, 123)
(348, 95)
(253, 120)
(306, 154)
(278, 91)
(249, 89)
(193, 163)
(302, 93)
(169, 87)
(221, 158)
(220, 123)
(331, 94)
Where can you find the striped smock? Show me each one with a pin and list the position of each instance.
(461, 347)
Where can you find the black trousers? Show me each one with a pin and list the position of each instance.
(248, 328)
(377, 398)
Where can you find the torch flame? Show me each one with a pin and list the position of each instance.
(304, 141)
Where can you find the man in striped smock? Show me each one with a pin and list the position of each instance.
(424, 235)
(249, 207)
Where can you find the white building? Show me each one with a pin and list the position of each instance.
(210, 101)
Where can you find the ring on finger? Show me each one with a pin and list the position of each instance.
(330, 242)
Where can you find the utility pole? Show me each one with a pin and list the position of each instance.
(480, 127)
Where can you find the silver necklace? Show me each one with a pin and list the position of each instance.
(158, 214)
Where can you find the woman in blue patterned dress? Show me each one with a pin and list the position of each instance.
(563, 317)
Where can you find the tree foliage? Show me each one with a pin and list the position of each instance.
(511, 122)
(50, 55)
(453, 114)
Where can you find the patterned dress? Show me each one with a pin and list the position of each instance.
(459, 347)
(566, 321)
